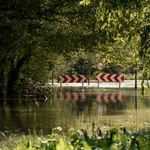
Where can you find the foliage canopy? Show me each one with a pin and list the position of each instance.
(34, 33)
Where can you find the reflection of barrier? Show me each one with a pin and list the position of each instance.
(109, 97)
(72, 97)
(100, 108)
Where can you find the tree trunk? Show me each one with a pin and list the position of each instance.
(14, 75)
(2, 76)
(1, 83)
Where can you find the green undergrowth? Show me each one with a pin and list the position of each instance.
(111, 140)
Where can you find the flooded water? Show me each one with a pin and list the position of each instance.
(71, 107)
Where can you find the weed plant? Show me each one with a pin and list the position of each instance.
(110, 140)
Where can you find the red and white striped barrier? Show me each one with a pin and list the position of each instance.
(72, 97)
(109, 97)
(109, 77)
(72, 79)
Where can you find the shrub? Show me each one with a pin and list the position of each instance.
(113, 139)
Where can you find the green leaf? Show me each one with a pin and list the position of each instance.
(119, 13)
(61, 145)
(85, 2)
(147, 84)
(103, 26)
(123, 140)
(114, 147)
(86, 146)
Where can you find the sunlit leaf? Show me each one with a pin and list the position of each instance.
(85, 2)
(61, 145)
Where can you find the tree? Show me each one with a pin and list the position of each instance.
(29, 28)
(19, 37)
(126, 20)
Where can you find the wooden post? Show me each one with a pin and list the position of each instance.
(98, 80)
(88, 80)
(52, 77)
(89, 63)
(82, 87)
(119, 85)
(61, 87)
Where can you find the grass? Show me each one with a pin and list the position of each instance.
(110, 140)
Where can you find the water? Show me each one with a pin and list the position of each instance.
(71, 107)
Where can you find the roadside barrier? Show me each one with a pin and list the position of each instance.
(72, 79)
(102, 77)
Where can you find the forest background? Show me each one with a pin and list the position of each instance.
(41, 39)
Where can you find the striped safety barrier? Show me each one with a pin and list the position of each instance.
(109, 77)
(72, 79)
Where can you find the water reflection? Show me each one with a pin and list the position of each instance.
(75, 109)
(113, 97)
(109, 97)
(72, 97)
(136, 99)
